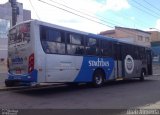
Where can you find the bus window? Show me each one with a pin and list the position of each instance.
(142, 52)
(53, 36)
(52, 41)
(106, 48)
(91, 46)
(136, 54)
(75, 44)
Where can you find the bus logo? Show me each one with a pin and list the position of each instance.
(129, 64)
(98, 63)
(17, 60)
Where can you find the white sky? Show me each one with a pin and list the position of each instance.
(158, 24)
(51, 14)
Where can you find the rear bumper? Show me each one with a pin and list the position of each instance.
(28, 78)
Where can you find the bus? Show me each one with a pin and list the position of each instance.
(40, 52)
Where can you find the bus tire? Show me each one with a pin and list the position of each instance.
(142, 75)
(98, 78)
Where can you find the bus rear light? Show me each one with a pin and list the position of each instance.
(31, 63)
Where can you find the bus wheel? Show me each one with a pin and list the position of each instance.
(142, 75)
(98, 78)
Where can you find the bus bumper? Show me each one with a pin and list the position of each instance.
(26, 79)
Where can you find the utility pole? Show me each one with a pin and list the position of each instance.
(14, 11)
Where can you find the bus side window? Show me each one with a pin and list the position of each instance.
(141, 52)
(75, 44)
(91, 46)
(106, 48)
(52, 41)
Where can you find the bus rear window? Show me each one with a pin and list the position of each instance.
(19, 34)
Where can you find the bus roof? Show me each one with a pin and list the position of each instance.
(60, 27)
(78, 31)
(130, 43)
(74, 30)
(101, 37)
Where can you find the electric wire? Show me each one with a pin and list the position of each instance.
(84, 17)
(150, 10)
(142, 10)
(76, 14)
(34, 10)
(151, 5)
(103, 18)
(82, 12)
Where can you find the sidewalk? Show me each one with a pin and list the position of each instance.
(3, 76)
(156, 69)
(151, 106)
(156, 105)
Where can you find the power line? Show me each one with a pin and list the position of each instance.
(103, 19)
(142, 23)
(83, 12)
(34, 9)
(76, 14)
(84, 17)
(151, 5)
(142, 10)
(146, 7)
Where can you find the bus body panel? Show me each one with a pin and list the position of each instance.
(40, 58)
(70, 68)
(76, 69)
(136, 70)
(61, 68)
(90, 64)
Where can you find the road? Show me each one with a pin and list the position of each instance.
(113, 95)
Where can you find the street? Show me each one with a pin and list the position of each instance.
(113, 95)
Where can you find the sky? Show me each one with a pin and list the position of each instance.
(95, 16)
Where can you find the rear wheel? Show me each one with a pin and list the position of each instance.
(142, 75)
(98, 78)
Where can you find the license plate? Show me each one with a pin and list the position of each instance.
(18, 71)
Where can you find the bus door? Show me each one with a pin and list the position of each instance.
(118, 60)
(149, 62)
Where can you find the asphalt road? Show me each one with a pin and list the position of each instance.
(113, 95)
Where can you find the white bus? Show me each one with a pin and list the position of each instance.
(40, 52)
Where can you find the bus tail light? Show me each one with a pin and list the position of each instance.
(31, 63)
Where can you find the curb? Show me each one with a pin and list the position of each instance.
(4, 88)
(155, 105)
(156, 74)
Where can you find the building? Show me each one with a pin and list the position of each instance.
(5, 24)
(155, 44)
(135, 36)
(155, 36)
